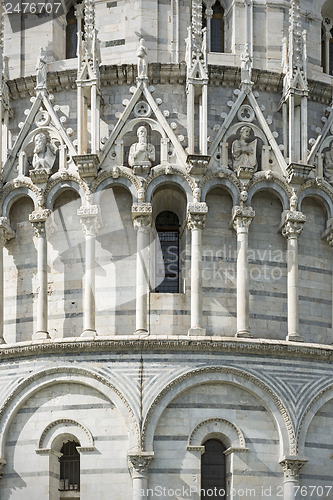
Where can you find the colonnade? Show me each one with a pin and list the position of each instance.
(242, 216)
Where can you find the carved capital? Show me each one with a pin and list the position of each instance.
(139, 464)
(142, 223)
(90, 220)
(38, 219)
(196, 220)
(292, 466)
(6, 232)
(292, 223)
(242, 217)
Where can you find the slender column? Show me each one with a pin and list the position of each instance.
(292, 226)
(142, 225)
(190, 117)
(90, 222)
(203, 124)
(291, 129)
(196, 219)
(304, 129)
(291, 469)
(38, 221)
(6, 233)
(79, 117)
(209, 15)
(138, 465)
(285, 128)
(327, 50)
(93, 97)
(328, 234)
(242, 218)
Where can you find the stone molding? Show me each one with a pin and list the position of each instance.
(227, 76)
(66, 421)
(225, 370)
(162, 343)
(214, 425)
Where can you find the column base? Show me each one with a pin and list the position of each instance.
(141, 331)
(40, 336)
(295, 337)
(88, 333)
(196, 331)
(244, 334)
(2, 340)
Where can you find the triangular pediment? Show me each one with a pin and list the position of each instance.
(130, 117)
(41, 117)
(246, 111)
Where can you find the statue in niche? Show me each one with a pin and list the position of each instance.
(142, 55)
(141, 154)
(44, 153)
(328, 165)
(246, 65)
(41, 70)
(244, 152)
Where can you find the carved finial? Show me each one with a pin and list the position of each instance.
(142, 56)
(41, 70)
(246, 65)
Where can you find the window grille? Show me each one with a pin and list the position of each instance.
(213, 470)
(167, 253)
(69, 467)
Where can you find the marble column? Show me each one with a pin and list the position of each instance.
(38, 220)
(138, 466)
(142, 222)
(196, 219)
(292, 225)
(291, 469)
(6, 233)
(242, 218)
(328, 235)
(90, 223)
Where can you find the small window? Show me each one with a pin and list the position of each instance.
(217, 29)
(213, 470)
(71, 34)
(70, 467)
(167, 253)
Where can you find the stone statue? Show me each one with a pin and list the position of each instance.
(141, 153)
(142, 56)
(246, 65)
(244, 152)
(328, 165)
(41, 70)
(44, 153)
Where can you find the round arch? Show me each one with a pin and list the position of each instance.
(14, 196)
(215, 427)
(320, 196)
(222, 183)
(228, 375)
(110, 182)
(62, 374)
(323, 397)
(61, 187)
(55, 431)
(274, 188)
(171, 180)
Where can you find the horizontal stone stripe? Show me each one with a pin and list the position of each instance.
(268, 263)
(318, 477)
(171, 438)
(111, 438)
(218, 289)
(268, 317)
(111, 470)
(315, 323)
(324, 414)
(325, 446)
(154, 470)
(263, 293)
(95, 406)
(262, 441)
(217, 314)
(315, 270)
(316, 300)
(255, 473)
(224, 406)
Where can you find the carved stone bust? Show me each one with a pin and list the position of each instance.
(244, 152)
(141, 154)
(44, 153)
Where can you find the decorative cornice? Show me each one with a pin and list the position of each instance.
(125, 74)
(134, 343)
